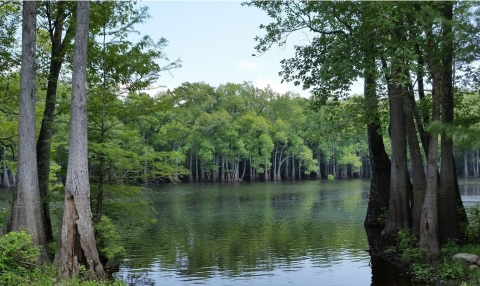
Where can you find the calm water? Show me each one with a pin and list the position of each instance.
(275, 233)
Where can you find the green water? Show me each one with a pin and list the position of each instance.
(273, 233)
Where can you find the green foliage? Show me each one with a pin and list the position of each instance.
(17, 258)
(331, 177)
(3, 215)
(108, 240)
(452, 269)
(422, 272)
(382, 218)
(408, 247)
(473, 228)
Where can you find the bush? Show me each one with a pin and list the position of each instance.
(330, 177)
(107, 238)
(473, 228)
(17, 258)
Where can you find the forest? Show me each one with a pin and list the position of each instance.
(76, 117)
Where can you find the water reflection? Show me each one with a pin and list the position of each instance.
(470, 191)
(268, 233)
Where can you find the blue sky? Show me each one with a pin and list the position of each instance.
(215, 41)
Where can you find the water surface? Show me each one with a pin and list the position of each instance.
(265, 233)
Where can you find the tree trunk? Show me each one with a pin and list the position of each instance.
(77, 240)
(399, 216)
(319, 169)
(5, 179)
(429, 220)
(27, 206)
(419, 183)
(197, 179)
(243, 171)
(101, 182)
(380, 163)
(293, 167)
(190, 174)
(449, 201)
(429, 237)
(44, 141)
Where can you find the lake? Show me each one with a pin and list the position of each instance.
(261, 233)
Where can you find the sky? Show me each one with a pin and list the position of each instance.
(215, 41)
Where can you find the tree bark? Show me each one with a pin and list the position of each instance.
(449, 201)
(380, 181)
(44, 141)
(27, 205)
(77, 240)
(429, 220)
(399, 216)
(418, 175)
(5, 179)
(429, 239)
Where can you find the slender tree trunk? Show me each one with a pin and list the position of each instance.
(429, 233)
(190, 174)
(101, 182)
(419, 183)
(27, 212)
(243, 171)
(429, 221)
(286, 170)
(293, 167)
(197, 178)
(202, 172)
(465, 165)
(5, 180)
(77, 240)
(44, 141)
(275, 163)
(319, 169)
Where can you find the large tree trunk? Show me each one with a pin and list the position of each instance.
(27, 206)
(450, 214)
(399, 216)
(380, 182)
(44, 141)
(77, 240)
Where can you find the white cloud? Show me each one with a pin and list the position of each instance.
(274, 85)
(244, 65)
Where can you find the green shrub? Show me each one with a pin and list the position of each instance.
(107, 238)
(452, 269)
(408, 247)
(422, 271)
(330, 177)
(473, 227)
(17, 258)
